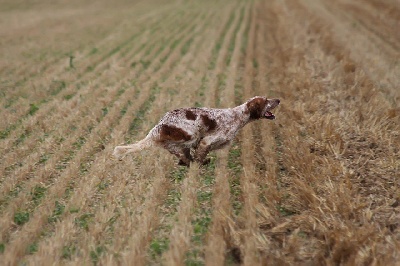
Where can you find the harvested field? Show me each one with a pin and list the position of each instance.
(320, 185)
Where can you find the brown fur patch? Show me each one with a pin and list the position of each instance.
(255, 107)
(211, 124)
(190, 115)
(173, 133)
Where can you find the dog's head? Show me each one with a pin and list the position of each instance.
(260, 107)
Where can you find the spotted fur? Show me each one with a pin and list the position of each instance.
(191, 133)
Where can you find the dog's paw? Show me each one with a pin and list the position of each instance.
(182, 163)
(206, 161)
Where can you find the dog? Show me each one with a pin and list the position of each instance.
(191, 133)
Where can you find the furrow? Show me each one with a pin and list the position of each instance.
(78, 166)
(221, 243)
(44, 163)
(168, 235)
(61, 71)
(137, 68)
(217, 242)
(88, 193)
(136, 255)
(267, 164)
(10, 184)
(71, 88)
(385, 31)
(378, 62)
(75, 169)
(318, 185)
(316, 182)
(138, 243)
(188, 232)
(390, 9)
(249, 253)
(141, 17)
(179, 239)
(173, 76)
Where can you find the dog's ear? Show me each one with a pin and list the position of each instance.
(255, 107)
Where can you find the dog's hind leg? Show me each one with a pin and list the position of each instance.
(183, 154)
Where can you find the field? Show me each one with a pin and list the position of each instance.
(320, 185)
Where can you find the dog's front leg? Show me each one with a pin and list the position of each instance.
(186, 158)
(201, 152)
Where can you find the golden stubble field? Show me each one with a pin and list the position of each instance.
(320, 185)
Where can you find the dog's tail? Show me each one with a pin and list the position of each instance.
(121, 151)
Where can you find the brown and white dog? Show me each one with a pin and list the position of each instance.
(191, 133)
